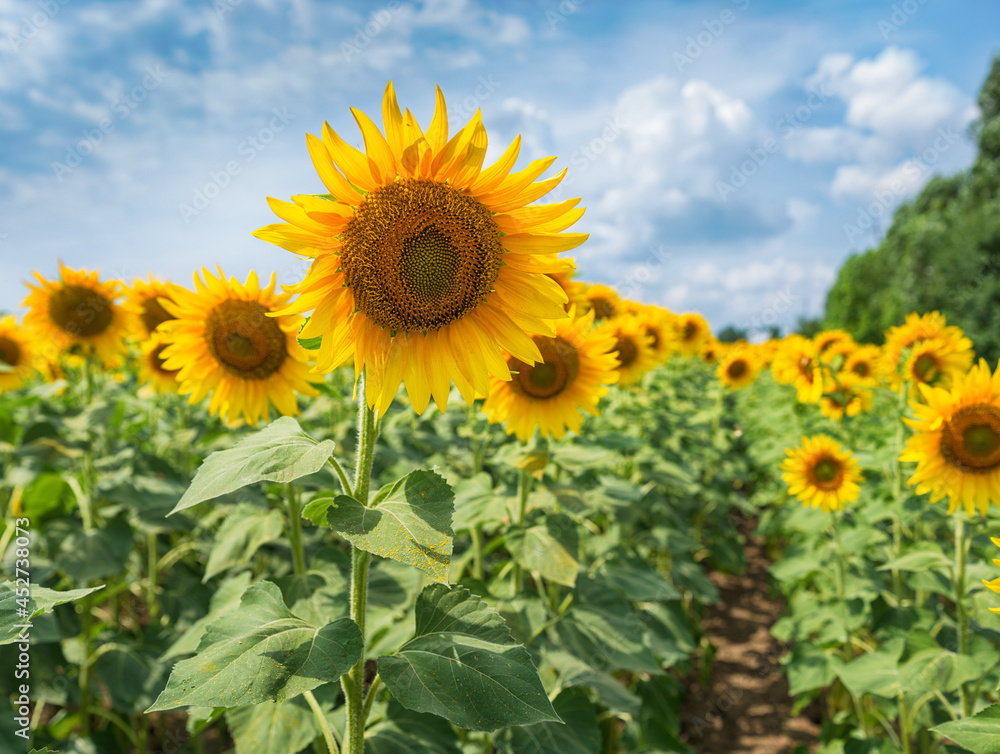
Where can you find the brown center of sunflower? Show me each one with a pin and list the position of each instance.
(153, 315)
(861, 368)
(242, 337)
(926, 368)
(736, 369)
(557, 370)
(628, 352)
(690, 332)
(827, 473)
(603, 308)
(10, 352)
(80, 311)
(970, 440)
(156, 361)
(419, 254)
(654, 334)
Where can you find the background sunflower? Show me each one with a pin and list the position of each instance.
(822, 474)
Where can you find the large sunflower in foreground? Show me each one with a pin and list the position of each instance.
(822, 474)
(225, 341)
(425, 265)
(633, 346)
(17, 354)
(143, 298)
(957, 442)
(78, 313)
(576, 368)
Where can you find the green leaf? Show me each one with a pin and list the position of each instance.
(923, 556)
(809, 668)
(281, 452)
(133, 676)
(225, 599)
(463, 665)
(409, 523)
(245, 529)
(261, 652)
(41, 600)
(875, 673)
(98, 554)
(275, 728)
(550, 549)
(407, 732)
(580, 734)
(636, 579)
(979, 733)
(575, 672)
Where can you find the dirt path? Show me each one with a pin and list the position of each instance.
(745, 709)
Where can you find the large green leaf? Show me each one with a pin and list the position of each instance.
(463, 665)
(261, 652)
(96, 554)
(281, 452)
(410, 522)
(40, 601)
(245, 529)
(580, 734)
(875, 673)
(549, 549)
(979, 733)
(133, 675)
(275, 728)
(407, 732)
(922, 556)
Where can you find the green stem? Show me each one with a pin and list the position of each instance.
(152, 605)
(324, 724)
(85, 629)
(353, 681)
(477, 551)
(904, 724)
(963, 617)
(897, 492)
(295, 529)
(345, 483)
(524, 488)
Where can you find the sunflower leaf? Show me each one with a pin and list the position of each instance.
(281, 452)
(41, 600)
(464, 665)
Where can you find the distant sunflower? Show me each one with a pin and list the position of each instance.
(152, 372)
(17, 354)
(634, 348)
(865, 364)
(935, 362)
(604, 300)
(425, 266)
(225, 341)
(78, 314)
(711, 351)
(659, 326)
(574, 289)
(737, 368)
(691, 333)
(830, 343)
(822, 474)
(797, 363)
(994, 585)
(901, 340)
(144, 299)
(957, 442)
(576, 368)
(845, 395)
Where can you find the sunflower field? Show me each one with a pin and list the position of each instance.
(227, 529)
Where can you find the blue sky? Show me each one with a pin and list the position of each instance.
(731, 154)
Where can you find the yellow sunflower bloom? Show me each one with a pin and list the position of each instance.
(691, 332)
(822, 474)
(935, 362)
(845, 395)
(574, 289)
(143, 298)
(426, 267)
(830, 343)
(915, 330)
(957, 442)
(737, 368)
(632, 346)
(659, 325)
(797, 363)
(711, 351)
(152, 371)
(576, 368)
(17, 354)
(225, 341)
(78, 313)
(866, 365)
(994, 585)
(604, 300)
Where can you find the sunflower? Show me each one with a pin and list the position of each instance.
(78, 313)
(574, 289)
(576, 368)
(17, 355)
(659, 326)
(831, 343)
(916, 329)
(957, 442)
(822, 474)
(604, 300)
(865, 364)
(737, 368)
(632, 346)
(425, 266)
(711, 351)
(144, 300)
(224, 341)
(690, 333)
(935, 362)
(994, 585)
(845, 394)
(152, 372)
(797, 363)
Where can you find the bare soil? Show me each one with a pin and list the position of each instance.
(745, 708)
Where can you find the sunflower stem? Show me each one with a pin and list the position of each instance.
(324, 724)
(295, 529)
(353, 681)
(524, 487)
(152, 559)
(961, 545)
(477, 551)
(897, 493)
